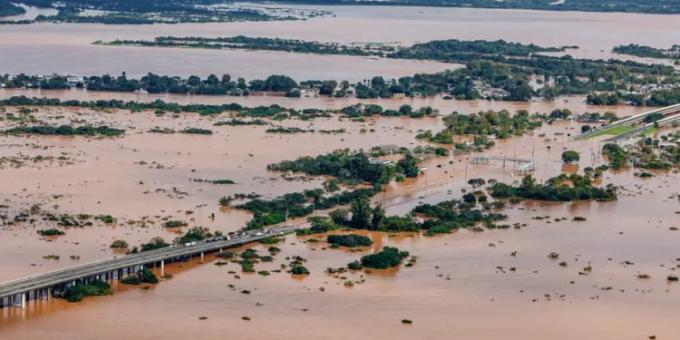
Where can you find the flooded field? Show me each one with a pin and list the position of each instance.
(465, 283)
(67, 49)
(607, 278)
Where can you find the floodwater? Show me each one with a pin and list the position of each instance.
(463, 283)
(67, 49)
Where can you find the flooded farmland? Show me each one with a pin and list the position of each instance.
(454, 272)
(555, 270)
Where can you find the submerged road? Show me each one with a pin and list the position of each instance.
(40, 286)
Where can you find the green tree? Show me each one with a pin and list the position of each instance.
(409, 165)
(570, 156)
(378, 216)
(361, 213)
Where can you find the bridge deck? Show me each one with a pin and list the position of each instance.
(67, 275)
(672, 109)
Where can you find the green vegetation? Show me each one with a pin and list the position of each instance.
(647, 153)
(299, 270)
(320, 224)
(483, 126)
(79, 291)
(386, 258)
(8, 8)
(65, 130)
(197, 131)
(251, 43)
(286, 130)
(351, 240)
(493, 70)
(560, 188)
(241, 122)
(629, 6)
(439, 218)
(655, 97)
(119, 244)
(616, 155)
(348, 166)
(193, 235)
(157, 105)
(175, 224)
(155, 243)
(143, 276)
(277, 210)
(214, 181)
(351, 167)
(614, 131)
(50, 232)
(648, 52)
(149, 12)
(570, 156)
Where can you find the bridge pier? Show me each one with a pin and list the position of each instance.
(20, 300)
(162, 268)
(202, 256)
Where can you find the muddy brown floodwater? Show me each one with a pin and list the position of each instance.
(463, 285)
(67, 48)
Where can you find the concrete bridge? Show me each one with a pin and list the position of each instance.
(668, 121)
(666, 111)
(45, 285)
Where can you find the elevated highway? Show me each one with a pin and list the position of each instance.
(44, 285)
(634, 119)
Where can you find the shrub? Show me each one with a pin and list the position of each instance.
(351, 240)
(386, 258)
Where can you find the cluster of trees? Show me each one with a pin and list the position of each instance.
(161, 107)
(143, 276)
(648, 52)
(50, 232)
(662, 97)
(618, 158)
(194, 234)
(66, 130)
(351, 166)
(138, 12)
(646, 153)
(469, 50)
(153, 83)
(212, 85)
(279, 209)
(154, 243)
(559, 188)
(388, 257)
(489, 66)
(363, 110)
(257, 43)
(351, 240)
(630, 6)
(8, 8)
(497, 64)
(439, 218)
(79, 291)
(501, 124)
(570, 156)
